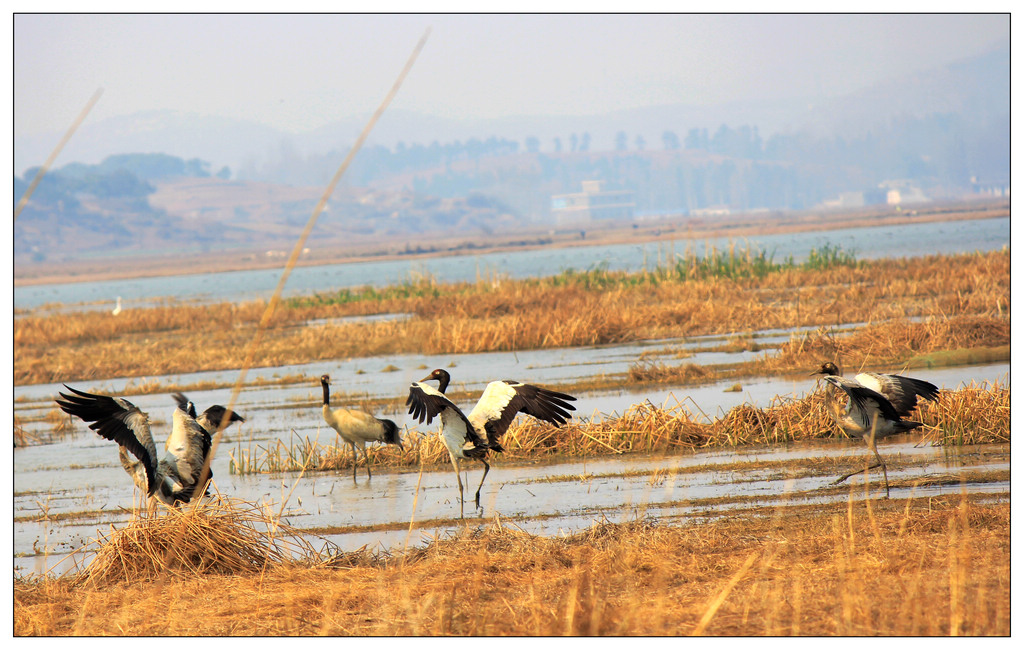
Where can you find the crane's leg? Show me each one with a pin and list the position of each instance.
(487, 468)
(885, 473)
(870, 439)
(366, 457)
(354, 461)
(858, 471)
(458, 477)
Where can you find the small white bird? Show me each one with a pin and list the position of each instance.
(490, 418)
(358, 427)
(117, 308)
(902, 392)
(870, 416)
(171, 479)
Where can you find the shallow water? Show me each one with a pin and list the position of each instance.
(80, 478)
(542, 498)
(68, 491)
(236, 286)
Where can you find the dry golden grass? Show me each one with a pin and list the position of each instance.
(919, 567)
(899, 343)
(226, 537)
(489, 315)
(972, 415)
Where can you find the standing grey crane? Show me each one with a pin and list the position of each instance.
(358, 427)
(902, 392)
(171, 479)
(869, 415)
(488, 420)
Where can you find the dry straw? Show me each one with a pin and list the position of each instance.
(225, 537)
(528, 314)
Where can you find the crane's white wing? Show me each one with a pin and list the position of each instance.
(502, 400)
(868, 408)
(902, 392)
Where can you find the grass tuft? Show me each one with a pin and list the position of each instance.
(226, 537)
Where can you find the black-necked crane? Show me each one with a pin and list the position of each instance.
(902, 392)
(211, 419)
(487, 422)
(171, 479)
(869, 415)
(358, 427)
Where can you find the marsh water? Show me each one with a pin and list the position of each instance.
(71, 491)
(68, 492)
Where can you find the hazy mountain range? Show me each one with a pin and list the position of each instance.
(976, 88)
(172, 182)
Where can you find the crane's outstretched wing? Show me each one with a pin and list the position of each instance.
(502, 400)
(866, 405)
(902, 392)
(118, 420)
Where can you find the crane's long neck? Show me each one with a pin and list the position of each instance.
(327, 393)
(442, 382)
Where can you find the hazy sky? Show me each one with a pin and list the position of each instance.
(301, 72)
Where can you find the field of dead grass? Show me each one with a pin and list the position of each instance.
(963, 338)
(915, 567)
(733, 292)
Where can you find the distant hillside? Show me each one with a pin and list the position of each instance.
(162, 205)
(975, 89)
(164, 182)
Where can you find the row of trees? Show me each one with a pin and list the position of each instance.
(736, 167)
(679, 183)
(123, 181)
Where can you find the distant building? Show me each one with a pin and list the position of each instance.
(990, 187)
(712, 211)
(901, 192)
(857, 199)
(592, 204)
